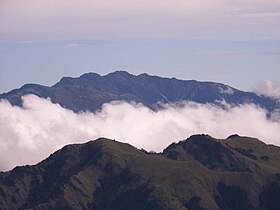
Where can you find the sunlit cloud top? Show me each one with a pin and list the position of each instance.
(91, 19)
(32, 132)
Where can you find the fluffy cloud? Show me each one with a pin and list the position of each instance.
(268, 88)
(31, 133)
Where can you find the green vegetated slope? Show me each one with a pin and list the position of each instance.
(198, 173)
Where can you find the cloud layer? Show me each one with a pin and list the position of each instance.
(91, 19)
(31, 133)
(268, 88)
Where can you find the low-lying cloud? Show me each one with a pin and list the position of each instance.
(269, 88)
(31, 133)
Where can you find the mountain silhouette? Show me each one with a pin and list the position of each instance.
(198, 173)
(90, 91)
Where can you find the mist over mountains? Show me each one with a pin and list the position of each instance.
(206, 140)
(152, 114)
(32, 127)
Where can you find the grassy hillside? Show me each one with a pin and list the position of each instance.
(198, 173)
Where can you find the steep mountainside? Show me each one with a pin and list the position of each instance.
(90, 91)
(196, 174)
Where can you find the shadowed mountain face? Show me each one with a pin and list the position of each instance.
(198, 173)
(90, 91)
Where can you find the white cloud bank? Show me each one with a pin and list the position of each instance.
(268, 88)
(31, 133)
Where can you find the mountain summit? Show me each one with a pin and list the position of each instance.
(90, 91)
(198, 173)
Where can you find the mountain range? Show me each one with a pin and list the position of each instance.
(90, 91)
(198, 173)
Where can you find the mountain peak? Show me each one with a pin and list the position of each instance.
(106, 174)
(86, 78)
(90, 91)
(211, 152)
(119, 74)
(90, 75)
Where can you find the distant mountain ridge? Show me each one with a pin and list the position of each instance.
(90, 91)
(199, 173)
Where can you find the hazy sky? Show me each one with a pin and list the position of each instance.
(236, 42)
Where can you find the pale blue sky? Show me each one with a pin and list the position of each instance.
(234, 42)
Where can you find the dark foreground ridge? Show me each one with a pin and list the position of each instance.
(196, 174)
(90, 91)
